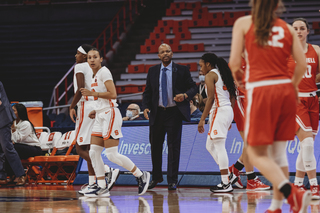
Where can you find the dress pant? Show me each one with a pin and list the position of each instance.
(24, 151)
(168, 121)
(8, 152)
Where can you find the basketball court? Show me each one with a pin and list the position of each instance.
(48, 199)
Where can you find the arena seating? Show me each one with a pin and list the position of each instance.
(193, 28)
(51, 168)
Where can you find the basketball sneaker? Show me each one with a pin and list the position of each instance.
(315, 192)
(143, 182)
(275, 211)
(299, 200)
(87, 188)
(221, 187)
(256, 184)
(98, 192)
(111, 177)
(236, 173)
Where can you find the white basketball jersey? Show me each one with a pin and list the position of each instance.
(86, 70)
(97, 85)
(221, 93)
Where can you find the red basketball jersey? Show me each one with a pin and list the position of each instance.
(268, 62)
(308, 82)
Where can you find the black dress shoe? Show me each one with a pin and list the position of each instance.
(172, 186)
(153, 183)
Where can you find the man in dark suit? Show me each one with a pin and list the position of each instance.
(168, 89)
(7, 151)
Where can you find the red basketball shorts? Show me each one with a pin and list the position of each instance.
(238, 111)
(307, 117)
(270, 112)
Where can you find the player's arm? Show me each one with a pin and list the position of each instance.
(237, 48)
(110, 94)
(211, 79)
(77, 96)
(317, 49)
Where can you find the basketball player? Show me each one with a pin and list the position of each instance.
(220, 91)
(271, 95)
(307, 117)
(253, 182)
(107, 127)
(82, 79)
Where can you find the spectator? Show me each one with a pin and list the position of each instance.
(201, 105)
(202, 87)
(23, 135)
(133, 113)
(7, 150)
(194, 107)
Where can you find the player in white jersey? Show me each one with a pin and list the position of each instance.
(107, 127)
(82, 79)
(221, 95)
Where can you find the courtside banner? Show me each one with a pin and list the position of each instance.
(193, 156)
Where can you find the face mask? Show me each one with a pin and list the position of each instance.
(201, 77)
(129, 114)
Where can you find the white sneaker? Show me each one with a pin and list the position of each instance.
(222, 188)
(98, 192)
(143, 182)
(111, 177)
(87, 188)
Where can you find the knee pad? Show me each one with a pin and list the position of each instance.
(279, 153)
(211, 149)
(308, 158)
(220, 147)
(114, 156)
(299, 162)
(96, 160)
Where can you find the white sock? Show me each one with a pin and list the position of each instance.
(275, 204)
(313, 182)
(106, 168)
(225, 179)
(102, 183)
(92, 179)
(137, 173)
(298, 181)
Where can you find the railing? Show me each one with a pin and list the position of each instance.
(115, 28)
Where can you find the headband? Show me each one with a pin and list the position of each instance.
(80, 49)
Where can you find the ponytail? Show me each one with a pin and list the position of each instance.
(264, 14)
(224, 69)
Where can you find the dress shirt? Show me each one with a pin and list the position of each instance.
(171, 102)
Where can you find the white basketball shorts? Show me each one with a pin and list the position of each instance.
(84, 124)
(220, 120)
(108, 123)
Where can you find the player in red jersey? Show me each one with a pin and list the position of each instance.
(253, 182)
(307, 117)
(271, 95)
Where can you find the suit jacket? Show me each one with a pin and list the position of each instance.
(181, 83)
(7, 115)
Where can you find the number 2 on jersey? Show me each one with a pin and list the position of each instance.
(274, 42)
